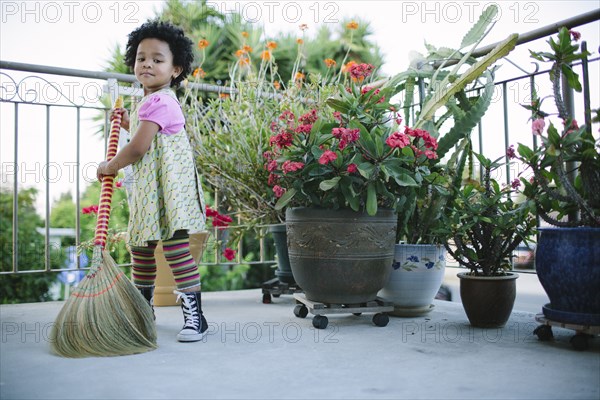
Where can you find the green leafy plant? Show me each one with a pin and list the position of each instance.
(567, 152)
(484, 223)
(450, 109)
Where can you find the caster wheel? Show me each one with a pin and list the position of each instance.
(276, 296)
(300, 311)
(320, 321)
(381, 319)
(580, 342)
(544, 333)
(266, 298)
(358, 314)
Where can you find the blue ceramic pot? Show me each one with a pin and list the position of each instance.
(568, 266)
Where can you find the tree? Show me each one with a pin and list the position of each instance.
(29, 287)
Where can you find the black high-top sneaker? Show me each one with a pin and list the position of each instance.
(148, 293)
(194, 324)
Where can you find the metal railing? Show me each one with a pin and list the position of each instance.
(19, 91)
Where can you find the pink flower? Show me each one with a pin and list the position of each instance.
(574, 126)
(281, 140)
(575, 35)
(397, 140)
(510, 152)
(305, 128)
(515, 183)
(366, 89)
(119, 184)
(279, 191)
(327, 157)
(287, 116)
(352, 168)
(229, 254)
(337, 116)
(210, 212)
(221, 220)
(93, 209)
(537, 126)
(432, 155)
(273, 179)
(359, 72)
(291, 166)
(272, 165)
(309, 118)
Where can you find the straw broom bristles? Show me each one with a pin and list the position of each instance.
(105, 315)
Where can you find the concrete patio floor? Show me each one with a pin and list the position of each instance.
(262, 351)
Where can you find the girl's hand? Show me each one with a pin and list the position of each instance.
(104, 170)
(124, 116)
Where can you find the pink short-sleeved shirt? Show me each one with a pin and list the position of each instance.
(164, 111)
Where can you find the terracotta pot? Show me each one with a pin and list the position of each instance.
(165, 283)
(488, 300)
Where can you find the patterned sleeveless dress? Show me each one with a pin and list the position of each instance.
(166, 194)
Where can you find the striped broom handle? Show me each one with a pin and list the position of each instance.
(106, 191)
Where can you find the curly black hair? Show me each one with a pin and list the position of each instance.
(180, 45)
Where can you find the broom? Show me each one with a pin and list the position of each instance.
(105, 315)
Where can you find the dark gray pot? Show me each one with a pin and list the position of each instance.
(284, 270)
(488, 300)
(340, 256)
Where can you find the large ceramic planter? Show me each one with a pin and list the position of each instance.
(488, 300)
(415, 278)
(340, 256)
(284, 270)
(567, 261)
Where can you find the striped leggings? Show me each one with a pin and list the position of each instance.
(178, 256)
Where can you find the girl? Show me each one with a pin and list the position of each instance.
(166, 201)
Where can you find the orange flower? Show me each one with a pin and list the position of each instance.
(266, 55)
(199, 72)
(352, 25)
(223, 95)
(299, 76)
(202, 44)
(277, 85)
(271, 45)
(330, 62)
(299, 41)
(239, 53)
(245, 34)
(247, 48)
(244, 61)
(346, 67)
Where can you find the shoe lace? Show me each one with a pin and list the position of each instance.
(190, 310)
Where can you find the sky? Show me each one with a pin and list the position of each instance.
(83, 34)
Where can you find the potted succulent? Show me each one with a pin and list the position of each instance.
(564, 183)
(420, 256)
(485, 225)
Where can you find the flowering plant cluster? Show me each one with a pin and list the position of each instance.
(565, 152)
(347, 152)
